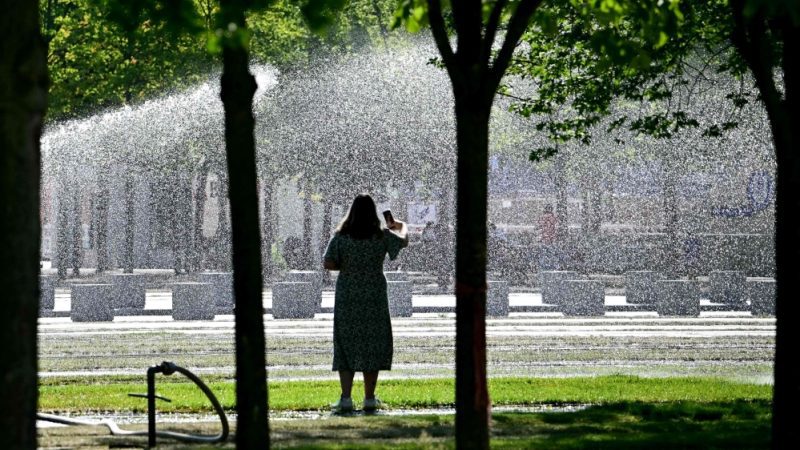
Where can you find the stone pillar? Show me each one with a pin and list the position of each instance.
(192, 301)
(583, 298)
(294, 300)
(308, 276)
(678, 298)
(761, 293)
(221, 294)
(551, 283)
(396, 275)
(640, 287)
(399, 294)
(47, 294)
(129, 290)
(728, 287)
(497, 299)
(91, 303)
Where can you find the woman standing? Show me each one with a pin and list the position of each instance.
(362, 329)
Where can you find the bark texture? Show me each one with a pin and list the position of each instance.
(238, 88)
(23, 101)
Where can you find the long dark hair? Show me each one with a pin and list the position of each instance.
(362, 220)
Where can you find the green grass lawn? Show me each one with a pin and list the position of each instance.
(110, 394)
(620, 412)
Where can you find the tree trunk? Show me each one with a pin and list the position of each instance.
(222, 241)
(472, 396)
(62, 231)
(674, 251)
(308, 229)
(102, 224)
(77, 231)
(23, 101)
(198, 243)
(562, 214)
(786, 138)
(238, 88)
(268, 236)
(130, 225)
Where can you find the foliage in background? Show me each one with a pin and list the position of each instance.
(593, 67)
(95, 63)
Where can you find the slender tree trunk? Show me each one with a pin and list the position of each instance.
(77, 231)
(102, 224)
(238, 88)
(23, 101)
(222, 246)
(308, 229)
(472, 396)
(268, 236)
(62, 230)
(200, 205)
(674, 250)
(325, 234)
(130, 225)
(562, 215)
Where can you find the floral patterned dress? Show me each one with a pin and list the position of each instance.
(362, 329)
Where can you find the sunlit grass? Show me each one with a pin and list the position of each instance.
(111, 394)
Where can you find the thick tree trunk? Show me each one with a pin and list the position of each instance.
(786, 138)
(268, 236)
(472, 396)
(23, 101)
(238, 88)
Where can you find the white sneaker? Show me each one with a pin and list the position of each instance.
(371, 404)
(343, 405)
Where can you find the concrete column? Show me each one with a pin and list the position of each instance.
(551, 283)
(728, 287)
(91, 303)
(221, 288)
(308, 276)
(294, 300)
(399, 293)
(640, 287)
(129, 290)
(497, 299)
(761, 293)
(583, 298)
(678, 298)
(47, 296)
(192, 301)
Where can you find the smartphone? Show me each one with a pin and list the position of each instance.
(387, 216)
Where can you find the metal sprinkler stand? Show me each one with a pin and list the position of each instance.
(167, 368)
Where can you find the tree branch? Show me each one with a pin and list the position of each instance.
(491, 30)
(516, 27)
(439, 32)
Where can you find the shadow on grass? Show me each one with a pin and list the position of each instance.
(625, 425)
(730, 425)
